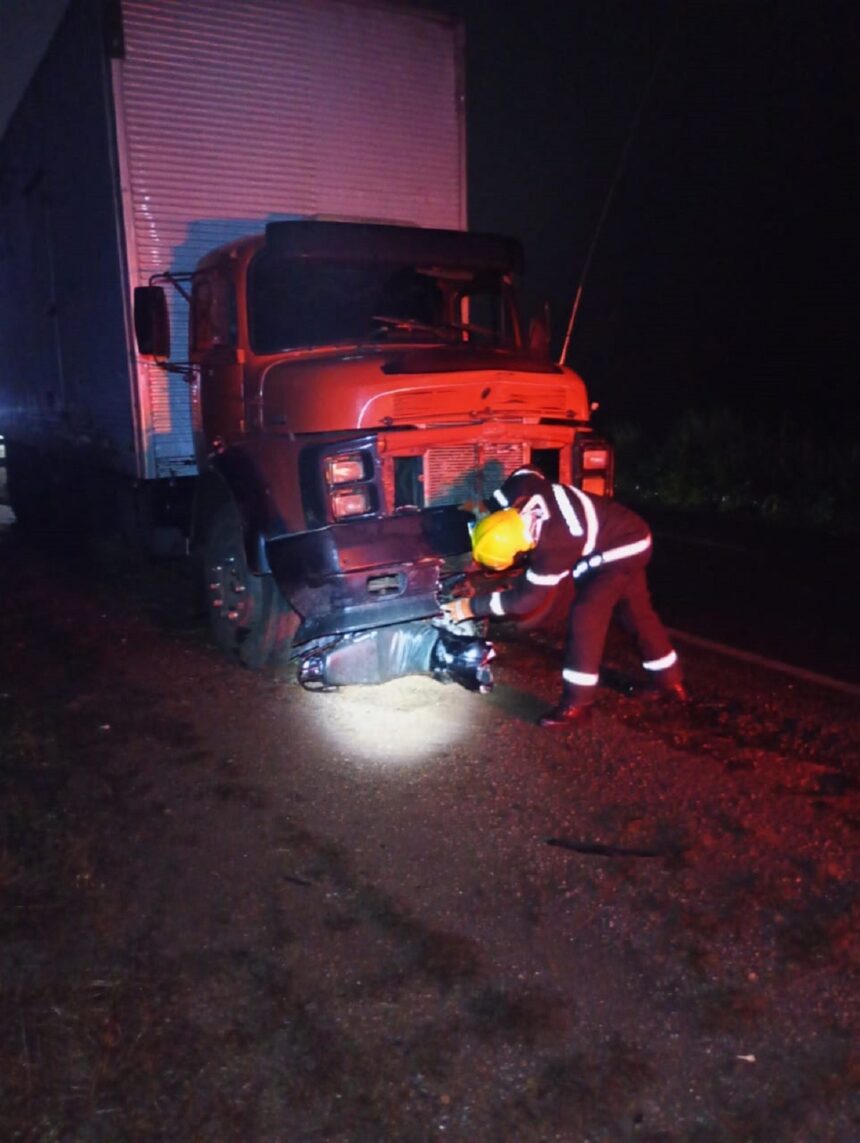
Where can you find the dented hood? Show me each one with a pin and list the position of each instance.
(421, 387)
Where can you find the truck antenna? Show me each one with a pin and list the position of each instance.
(607, 202)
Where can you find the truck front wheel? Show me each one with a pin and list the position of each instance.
(248, 616)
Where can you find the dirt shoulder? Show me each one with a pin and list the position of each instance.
(233, 910)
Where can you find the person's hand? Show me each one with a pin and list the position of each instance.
(458, 610)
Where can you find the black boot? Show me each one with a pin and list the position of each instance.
(671, 693)
(567, 713)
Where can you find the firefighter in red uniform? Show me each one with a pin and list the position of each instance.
(605, 548)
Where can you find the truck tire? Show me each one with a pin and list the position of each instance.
(249, 618)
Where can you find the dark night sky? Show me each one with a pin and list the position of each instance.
(726, 268)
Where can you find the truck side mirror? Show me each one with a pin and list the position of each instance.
(151, 321)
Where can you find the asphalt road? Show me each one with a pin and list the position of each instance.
(232, 910)
(786, 595)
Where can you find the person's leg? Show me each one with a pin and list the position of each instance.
(635, 612)
(588, 621)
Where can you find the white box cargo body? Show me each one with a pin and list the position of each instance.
(156, 130)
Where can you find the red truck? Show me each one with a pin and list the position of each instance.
(348, 375)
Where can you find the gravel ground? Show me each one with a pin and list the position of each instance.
(232, 910)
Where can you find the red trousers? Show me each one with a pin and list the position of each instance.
(619, 590)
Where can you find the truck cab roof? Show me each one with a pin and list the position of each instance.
(375, 242)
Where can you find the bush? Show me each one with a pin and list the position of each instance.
(717, 461)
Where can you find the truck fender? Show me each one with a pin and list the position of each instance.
(220, 483)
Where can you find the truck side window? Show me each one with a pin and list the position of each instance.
(213, 306)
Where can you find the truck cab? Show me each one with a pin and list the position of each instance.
(358, 391)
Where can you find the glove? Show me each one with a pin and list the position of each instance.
(458, 610)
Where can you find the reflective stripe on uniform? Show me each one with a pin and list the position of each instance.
(500, 498)
(590, 519)
(579, 678)
(533, 513)
(496, 603)
(566, 509)
(661, 664)
(626, 550)
(545, 580)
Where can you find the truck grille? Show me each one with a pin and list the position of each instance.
(469, 472)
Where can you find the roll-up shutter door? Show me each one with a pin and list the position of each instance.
(231, 113)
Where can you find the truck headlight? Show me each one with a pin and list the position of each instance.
(346, 469)
(350, 502)
(340, 480)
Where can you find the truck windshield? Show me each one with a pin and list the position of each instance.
(296, 304)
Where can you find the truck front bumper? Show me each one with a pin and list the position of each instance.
(368, 573)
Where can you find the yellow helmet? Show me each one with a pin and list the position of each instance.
(498, 537)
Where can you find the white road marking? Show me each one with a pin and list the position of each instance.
(763, 661)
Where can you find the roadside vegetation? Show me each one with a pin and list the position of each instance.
(716, 461)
